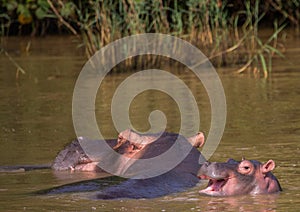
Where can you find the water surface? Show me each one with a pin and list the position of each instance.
(263, 122)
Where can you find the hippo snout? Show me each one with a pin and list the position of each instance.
(213, 170)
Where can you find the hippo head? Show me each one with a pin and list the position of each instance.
(236, 178)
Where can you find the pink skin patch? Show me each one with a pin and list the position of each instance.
(214, 187)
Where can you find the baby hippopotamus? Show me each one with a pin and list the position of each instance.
(239, 177)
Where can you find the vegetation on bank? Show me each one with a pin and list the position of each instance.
(227, 31)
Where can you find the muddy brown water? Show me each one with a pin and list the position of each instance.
(263, 122)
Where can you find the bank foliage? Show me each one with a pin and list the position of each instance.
(227, 31)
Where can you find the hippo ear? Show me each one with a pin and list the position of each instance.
(197, 140)
(268, 166)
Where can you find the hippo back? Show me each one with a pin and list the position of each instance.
(180, 178)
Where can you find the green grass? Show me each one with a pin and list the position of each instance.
(226, 31)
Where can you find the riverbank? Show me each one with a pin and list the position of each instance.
(221, 29)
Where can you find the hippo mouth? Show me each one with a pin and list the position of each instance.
(214, 187)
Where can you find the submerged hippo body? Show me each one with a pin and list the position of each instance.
(137, 146)
(236, 178)
(180, 178)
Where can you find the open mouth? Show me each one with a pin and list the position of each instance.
(214, 187)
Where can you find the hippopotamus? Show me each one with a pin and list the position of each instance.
(129, 143)
(239, 177)
(180, 178)
(134, 145)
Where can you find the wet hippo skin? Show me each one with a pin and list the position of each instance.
(129, 144)
(134, 145)
(239, 177)
(182, 177)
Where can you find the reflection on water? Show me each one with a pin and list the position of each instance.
(263, 122)
(258, 203)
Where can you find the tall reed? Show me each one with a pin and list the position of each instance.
(227, 37)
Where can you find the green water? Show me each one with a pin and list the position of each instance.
(263, 122)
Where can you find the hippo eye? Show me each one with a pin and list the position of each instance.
(245, 167)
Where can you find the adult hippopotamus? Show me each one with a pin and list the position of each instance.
(129, 144)
(137, 146)
(178, 179)
(239, 177)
